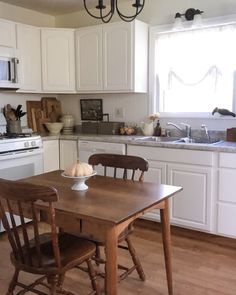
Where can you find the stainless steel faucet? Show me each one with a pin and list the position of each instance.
(204, 127)
(187, 128)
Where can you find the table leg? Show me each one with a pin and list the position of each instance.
(165, 222)
(111, 262)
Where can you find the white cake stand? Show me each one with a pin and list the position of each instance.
(79, 181)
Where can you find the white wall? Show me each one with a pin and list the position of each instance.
(134, 105)
(26, 16)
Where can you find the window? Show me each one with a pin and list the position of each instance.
(194, 70)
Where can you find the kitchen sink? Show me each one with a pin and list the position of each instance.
(198, 140)
(157, 139)
(177, 140)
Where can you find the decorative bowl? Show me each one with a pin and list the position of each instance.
(54, 128)
(79, 181)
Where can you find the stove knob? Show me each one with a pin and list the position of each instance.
(26, 144)
(33, 143)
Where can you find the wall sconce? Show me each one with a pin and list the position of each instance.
(190, 14)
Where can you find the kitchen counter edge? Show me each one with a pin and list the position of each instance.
(223, 146)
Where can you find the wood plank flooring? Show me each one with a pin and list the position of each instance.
(202, 264)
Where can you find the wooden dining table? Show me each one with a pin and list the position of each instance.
(105, 209)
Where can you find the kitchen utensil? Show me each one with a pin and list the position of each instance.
(49, 105)
(35, 105)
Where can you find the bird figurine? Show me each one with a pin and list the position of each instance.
(223, 112)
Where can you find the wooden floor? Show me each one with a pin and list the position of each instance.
(202, 265)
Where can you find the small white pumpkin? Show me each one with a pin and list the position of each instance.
(79, 169)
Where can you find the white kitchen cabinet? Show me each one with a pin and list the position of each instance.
(68, 153)
(192, 206)
(125, 51)
(89, 59)
(226, 203)
(29, 45)
(191, 169)
(58, 60)
(7, 34)
(50, 155)
(112, 57)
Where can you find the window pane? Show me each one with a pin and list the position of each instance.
(195, 69)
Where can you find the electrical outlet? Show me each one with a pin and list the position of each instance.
(119, 113)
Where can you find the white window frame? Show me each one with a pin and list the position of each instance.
(187, 25)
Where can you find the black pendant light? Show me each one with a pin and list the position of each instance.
(106, 15)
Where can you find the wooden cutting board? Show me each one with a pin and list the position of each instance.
(52, 108)
(32, 107)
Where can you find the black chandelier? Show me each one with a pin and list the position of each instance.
(106, 16)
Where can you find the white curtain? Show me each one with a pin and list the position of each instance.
(194, 69)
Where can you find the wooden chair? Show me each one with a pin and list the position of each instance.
(127, 164)
(48, 254)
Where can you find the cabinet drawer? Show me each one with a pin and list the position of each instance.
(227, 160)
(172, 155)
(226, 185)
(226, 219)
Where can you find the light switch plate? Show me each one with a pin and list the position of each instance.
(119, 113)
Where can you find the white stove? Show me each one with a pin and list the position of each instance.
(18, 143)
(21, 156)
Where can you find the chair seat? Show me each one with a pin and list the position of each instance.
(74, 250)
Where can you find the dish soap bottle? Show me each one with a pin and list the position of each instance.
(157, 131)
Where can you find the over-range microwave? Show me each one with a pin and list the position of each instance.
(9, 73)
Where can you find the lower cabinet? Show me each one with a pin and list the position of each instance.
(193, 170)
(192, 206)
(68, 152)
(226, 202)
(50, 155)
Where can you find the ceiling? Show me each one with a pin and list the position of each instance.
(53, 7)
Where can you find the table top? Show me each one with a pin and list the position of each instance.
(106, 199)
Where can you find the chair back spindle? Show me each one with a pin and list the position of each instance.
(124, 162)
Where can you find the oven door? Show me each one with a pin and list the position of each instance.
(17, 165)
(22, 164)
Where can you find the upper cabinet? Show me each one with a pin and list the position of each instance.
(28, 43)
(58, 60)
(112, 57)
(7, 34)
(89, 59)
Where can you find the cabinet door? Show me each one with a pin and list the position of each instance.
(68, 153)
(28, 43)
(226, 224)
(226, 221)
(89, 59)
(117, 50)
(50, 155)
(7, 34)
(58, 60)
(156, 173)
(192, 206)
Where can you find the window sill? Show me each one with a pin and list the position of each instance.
(195, 115)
